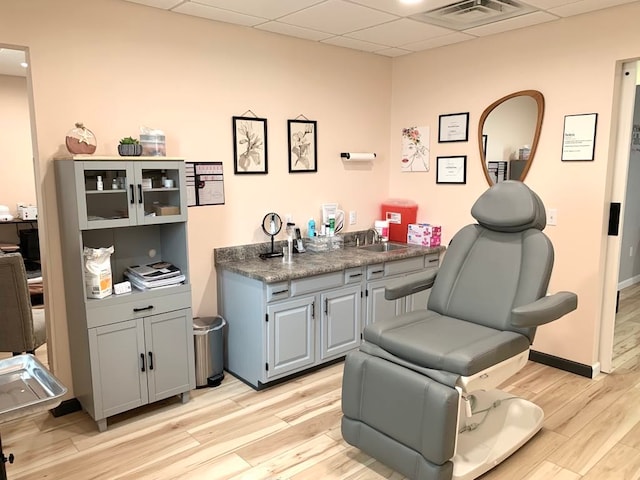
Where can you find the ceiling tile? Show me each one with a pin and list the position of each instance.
(399, 32)
(164, 4)
(401, 9)
(547, 4)
(270, 9)
(337, 17)
(449, 39)
(355, 44)
(284, 29)
(585, 6)
(512, 24)
(392, 52)
(199, 10)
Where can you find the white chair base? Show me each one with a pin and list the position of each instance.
(504, 424)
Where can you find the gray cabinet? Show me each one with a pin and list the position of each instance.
(290, 332)
(378, 276)
(131, 349)
(340, 322)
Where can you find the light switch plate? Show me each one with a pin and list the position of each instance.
(353, 217)
(552, 216)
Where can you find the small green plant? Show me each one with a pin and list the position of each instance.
(129, 141)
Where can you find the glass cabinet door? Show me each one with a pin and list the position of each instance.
(108, 194)
(160, 191)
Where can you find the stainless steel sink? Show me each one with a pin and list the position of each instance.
(383, 247)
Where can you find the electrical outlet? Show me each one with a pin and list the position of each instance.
(552, 216)
(353, 217)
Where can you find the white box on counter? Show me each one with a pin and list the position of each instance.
(424, 229)
(423, 240)
(27, 212)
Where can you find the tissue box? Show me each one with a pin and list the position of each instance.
(166, 209)
(27, 212)
(423, 240)
(425, 229)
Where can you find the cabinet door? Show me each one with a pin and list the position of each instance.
(117, 369)
(169, 354)
(379, 308)
(340, 321)
(106, 197)
(160, 188)
(290, 336)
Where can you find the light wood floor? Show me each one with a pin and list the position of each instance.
(591, 430)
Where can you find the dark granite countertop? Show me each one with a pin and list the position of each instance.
(245, 260)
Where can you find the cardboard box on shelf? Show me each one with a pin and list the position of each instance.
(166, 209)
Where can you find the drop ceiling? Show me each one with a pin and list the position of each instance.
(385, 27)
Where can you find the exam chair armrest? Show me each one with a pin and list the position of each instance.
(410, 284)
(544, 310)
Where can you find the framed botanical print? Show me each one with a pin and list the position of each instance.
(250, 145)
(303, 146)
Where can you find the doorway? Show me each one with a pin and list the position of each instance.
(618, 251)
(18, 186)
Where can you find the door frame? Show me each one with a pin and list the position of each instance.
(616, 188)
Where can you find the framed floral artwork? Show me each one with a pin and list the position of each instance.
(250, 145)
(415, 149)
(303, 146)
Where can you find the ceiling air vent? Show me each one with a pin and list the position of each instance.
(473, 13)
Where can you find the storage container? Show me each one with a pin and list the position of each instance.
(153, 145)
(400, 213)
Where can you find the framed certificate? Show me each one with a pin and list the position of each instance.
(453, 127)
(579, 137)
(451, 169)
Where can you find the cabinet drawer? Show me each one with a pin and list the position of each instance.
(353, 275)
(431, 261)
(403, 266)
(277, 291)
(301, 286)
(375, 271)
(139, 306)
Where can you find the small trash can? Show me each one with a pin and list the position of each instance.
(209, 350)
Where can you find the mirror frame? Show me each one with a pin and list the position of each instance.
(539, 98)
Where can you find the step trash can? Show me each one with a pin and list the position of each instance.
(209, 350)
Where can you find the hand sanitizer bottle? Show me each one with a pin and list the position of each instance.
(99, 184)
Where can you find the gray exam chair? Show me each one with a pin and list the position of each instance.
(420, 395)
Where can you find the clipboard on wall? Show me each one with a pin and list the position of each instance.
(205, 183)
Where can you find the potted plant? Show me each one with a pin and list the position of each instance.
(129, 147)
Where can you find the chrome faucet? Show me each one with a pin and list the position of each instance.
(374, 239)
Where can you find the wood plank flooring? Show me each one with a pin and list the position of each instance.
(292, 431)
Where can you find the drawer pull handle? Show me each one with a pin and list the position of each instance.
(142, 309)
(433, 260)
(150, 360)
(377, 271)
(280, 292)
(354, 275)
(142, 362)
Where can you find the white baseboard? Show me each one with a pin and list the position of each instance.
(628, 282)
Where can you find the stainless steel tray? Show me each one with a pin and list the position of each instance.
(26, 387)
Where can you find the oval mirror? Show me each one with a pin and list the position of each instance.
(508, 134)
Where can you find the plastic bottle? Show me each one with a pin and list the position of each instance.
(332, 224)
(311, 228)
(114, 184)
(99, 184)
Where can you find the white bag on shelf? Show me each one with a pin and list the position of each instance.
(97, 272)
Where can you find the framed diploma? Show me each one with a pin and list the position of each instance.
(453, 127)
(451, 169)
(579, 137)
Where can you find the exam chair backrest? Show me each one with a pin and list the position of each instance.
(503, 261)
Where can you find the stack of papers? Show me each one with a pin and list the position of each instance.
(154, 275)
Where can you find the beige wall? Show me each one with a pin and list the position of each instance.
(573, 63)
(140, 66)
(17, 183)
(116, 66)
